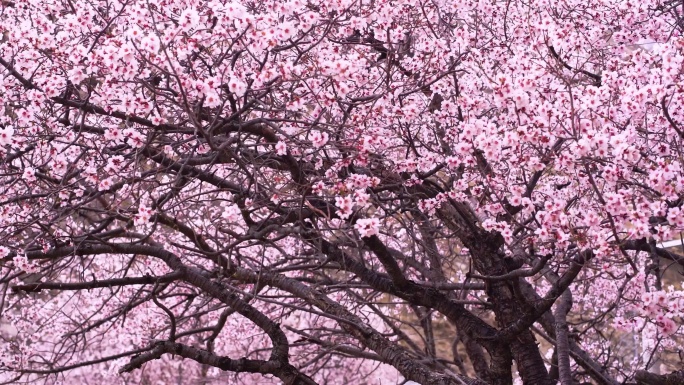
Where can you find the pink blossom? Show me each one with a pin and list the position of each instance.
(367, 226)
(361, 198)
(115, 164)
(105, 184)
(114, 134)
(237, 86)
(319, 139)
(150, 43)
(345, 206)
(59, 165)
(189, 19)
(29, 175)
(22, 263)
(281, 148)
(666, 326)
(212, 99)
(6, 134)
(143, 216)
(135, 139)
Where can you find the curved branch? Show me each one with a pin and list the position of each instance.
(190, 275)
(595, 77)
(387, 350)
(519, 273)
(673, 124)
(545, 304)
(288, 373)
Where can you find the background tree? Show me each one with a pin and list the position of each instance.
(313, 192)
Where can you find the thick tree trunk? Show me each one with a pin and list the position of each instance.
(484, 248)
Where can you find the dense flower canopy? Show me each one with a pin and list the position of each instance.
(341, 191)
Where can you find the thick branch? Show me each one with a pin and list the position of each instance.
(545, 304)
(562, 344)
(645, 378)
(385, 257)
(126, 281)
(190, 275)
(389, 351)
(287, 373)
(642, 245)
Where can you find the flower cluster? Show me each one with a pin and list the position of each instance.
(367, 227)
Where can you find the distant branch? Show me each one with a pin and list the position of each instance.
(595, 77)
(673, 124)
(126, 281)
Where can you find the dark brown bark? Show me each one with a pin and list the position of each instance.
(484, 247)
(645, 378)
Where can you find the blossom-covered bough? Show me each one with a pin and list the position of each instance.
(341, 191)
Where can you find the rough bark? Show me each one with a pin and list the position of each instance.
(646, 378)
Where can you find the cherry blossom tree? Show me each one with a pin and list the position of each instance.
(341, 191)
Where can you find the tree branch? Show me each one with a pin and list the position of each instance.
(126, 281)
(287, 373)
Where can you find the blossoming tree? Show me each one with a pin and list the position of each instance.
(312, 192)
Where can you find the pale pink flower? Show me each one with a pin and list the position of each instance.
(135, 139)
(189, 19)
(212, 99)
(666, 326)
(361, 198)
(281, 148)
(150, 43)
(319, 139)
(105, 184)
(59, 165)
(114, 164)
(114, 134)
(6, 135)
(367, 226)
(143, 216)
(29, 175)
(237, 86)
(345, 205)
(21, 262)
